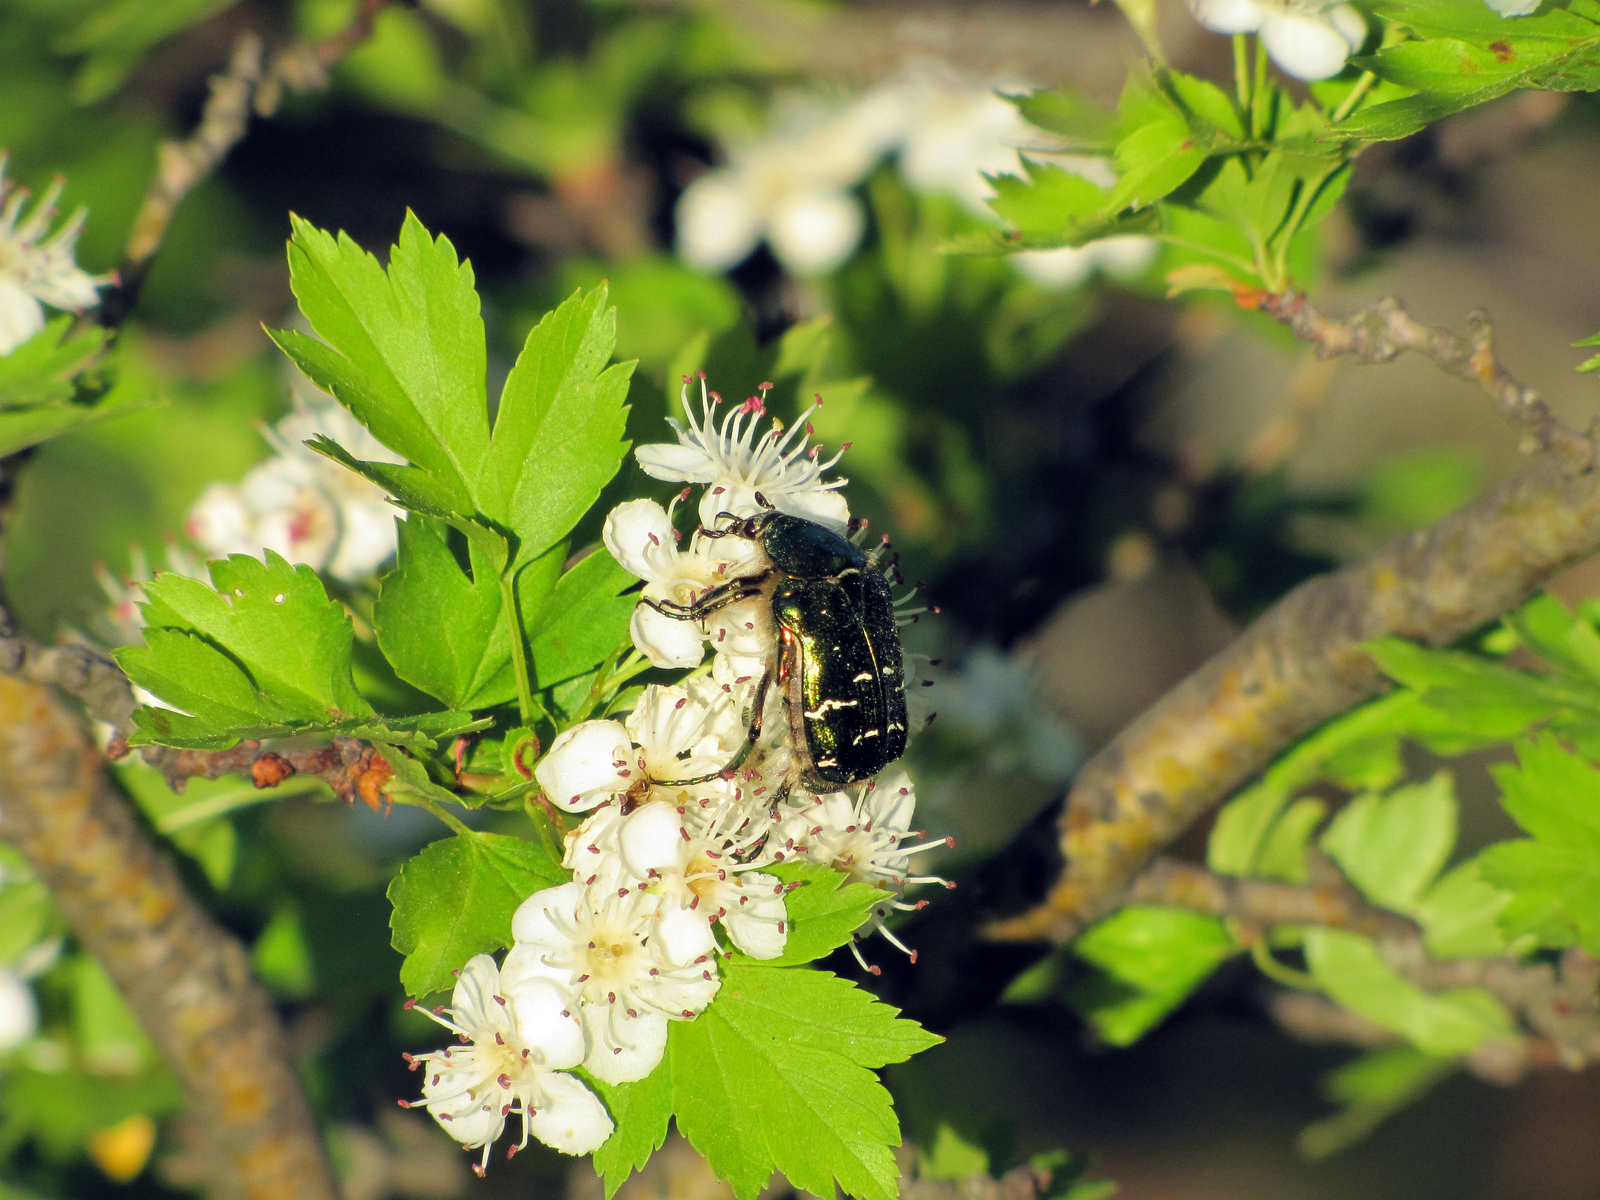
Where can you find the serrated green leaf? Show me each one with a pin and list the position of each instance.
(26, 914)
(823, 912)
(1554, 878)
(1460, 915)
(1352, 971)
(774, 1076)
(1283, 852)
(1206, 101)
(1392, 846)
(1071, 114)
(1160, 955)
(584, 619)
(403, 349)
(40, 370)
(442, 629)
(1154, 160)
(262, 653)
(640, 1111)
(558, 432)
(1479, 696)
(455, 899)
(1050, 200)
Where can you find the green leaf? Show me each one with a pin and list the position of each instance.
(1283, 852)
(1554, 878)
(441, 628)
(262, 654)
(584, 620)
(1393, 846)
(40, 371)
(1153, 160)
(455, 899)
(1371, 1089)
(558, 433)
(640, 1111)
(1207, 102)
(116, 36)
(774, 1076)
(1071, 114)
(1460, 914)
(1479, 696)
(402, 349)
(1051, 200)
(1351, 970)
(1160, 955)
(1589, 364)
(824, 912)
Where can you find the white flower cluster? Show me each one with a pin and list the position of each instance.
(37, 267)
(793, 188)
(1309, 39)
(685, 818)
(306, 507)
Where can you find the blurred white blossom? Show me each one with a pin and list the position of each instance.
(37, 267)
(300, 504)
(1309, 39)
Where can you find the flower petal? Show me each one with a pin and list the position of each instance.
(587, 763)
(637, 533)
(666, 641)
(546, 1021)
(572, 1119)
(641, 1042)
(1305, 47)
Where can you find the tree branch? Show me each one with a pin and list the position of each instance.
(247, 85)
(188, 982)
(1302, 662)
(1263, 902)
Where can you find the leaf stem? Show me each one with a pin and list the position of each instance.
(1261, 954)
(236, 798)
(519, 647)
(1258, 90)
(429, 804)
(1355, 96)
(1241, 76)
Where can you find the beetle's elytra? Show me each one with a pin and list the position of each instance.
(839, 664)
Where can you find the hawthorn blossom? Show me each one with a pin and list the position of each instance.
(734, 465)
(520, 1034)
(301, 504)
(862, 831)
(1513, 8)
(704, 860)
(37, 267)
(632, 968)
(19, 1014)
(1309, 39)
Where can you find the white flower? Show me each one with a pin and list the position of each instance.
(1513, 8)
(958, 132)
(520, 1032)
(19, 1014)
(679, 736)
(640, 536)
(632, 968)
(37, 267)
(1309, 39)
(862, 833)
(735, 466)
(791, 188)
(300, 504)
(1125, 257)
(587, 764)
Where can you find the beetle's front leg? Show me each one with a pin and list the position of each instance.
(735, 590)
(752, 736)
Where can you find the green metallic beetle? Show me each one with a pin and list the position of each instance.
(839, 665)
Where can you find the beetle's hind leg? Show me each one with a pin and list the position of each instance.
(752, 736)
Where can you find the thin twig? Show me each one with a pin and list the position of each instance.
(188, 982)
(1302, 662)
(351, 767)
(248, 85)
(1380, 333)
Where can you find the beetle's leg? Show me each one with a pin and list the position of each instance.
(735, 521)
(752, 736)
(728, 593)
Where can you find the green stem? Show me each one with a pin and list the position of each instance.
(1357, 93)
(1241, 76)
(1291, 226)
(418, 800)
(1258, 90)
(519, 649)
(1276, 971)
(236, 798)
